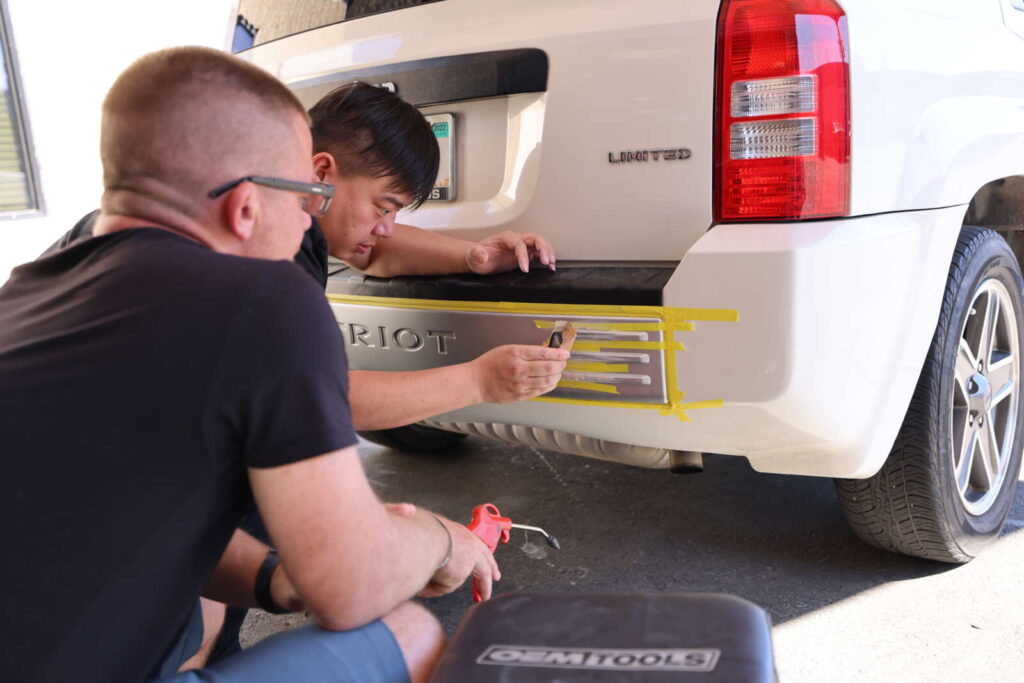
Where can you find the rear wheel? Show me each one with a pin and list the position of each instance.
(415, 438)
(948, 484)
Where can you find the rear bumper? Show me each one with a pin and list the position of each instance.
(803, 344)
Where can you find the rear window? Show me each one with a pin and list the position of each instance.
(261, 21)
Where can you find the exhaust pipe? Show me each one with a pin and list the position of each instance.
(685, 462)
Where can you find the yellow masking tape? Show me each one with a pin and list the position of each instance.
(672, 320)
(588, 345)
(718, 315)
(664, 409)
(589, 386)
(617, 327)
(669, 315)
(696, 405)
(584, 366)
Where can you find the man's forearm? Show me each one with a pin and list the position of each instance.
(404, 555)
(382, 400)
(414, 251)
(351, 558)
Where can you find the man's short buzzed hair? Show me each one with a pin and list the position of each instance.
(191, 116)
(373, 132)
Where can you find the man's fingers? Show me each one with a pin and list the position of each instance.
(522, 256)
(544, 368)
(495, 570)
(545, 252)
(551, 257)
(540, 249)
(538, 352)
(523, 248)
(516, 245)
(483, 573)
(514, 372)
(536, 387)
(549, 253)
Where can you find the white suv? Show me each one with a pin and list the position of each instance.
(760, 209)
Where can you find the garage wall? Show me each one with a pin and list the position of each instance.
(69, 53)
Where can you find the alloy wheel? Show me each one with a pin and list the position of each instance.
(985, 397)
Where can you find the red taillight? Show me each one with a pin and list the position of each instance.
(782, 119)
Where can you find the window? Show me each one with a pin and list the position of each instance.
(18, 188)
(260, 21)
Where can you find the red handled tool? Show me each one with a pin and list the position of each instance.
(491, 528)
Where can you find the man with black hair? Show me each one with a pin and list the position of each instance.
(380, 154)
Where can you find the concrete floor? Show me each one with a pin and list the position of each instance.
(841, 610)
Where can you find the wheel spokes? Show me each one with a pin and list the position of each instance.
(966, 464)
(987, 457)
(966, 366)
(988, 329)
(1000, 376)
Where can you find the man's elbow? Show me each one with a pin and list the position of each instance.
(348, 616)
(338, 622)
(362, 424)
(350, 604)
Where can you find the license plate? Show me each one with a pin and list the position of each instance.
(443, 126)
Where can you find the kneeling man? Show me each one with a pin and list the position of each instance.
(152, 379)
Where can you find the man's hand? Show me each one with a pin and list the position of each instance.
(504, 251)
(516, 372)
(469, 556)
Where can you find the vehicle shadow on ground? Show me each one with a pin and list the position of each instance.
(779, 541)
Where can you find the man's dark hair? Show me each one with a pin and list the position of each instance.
(373, 132)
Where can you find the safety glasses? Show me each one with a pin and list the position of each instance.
(316, 197)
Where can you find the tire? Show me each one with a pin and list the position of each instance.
(948, 484)
(415, 438)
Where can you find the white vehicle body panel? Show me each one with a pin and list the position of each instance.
(618, 80)
(936, 102)
(811, 385)
(835, 316)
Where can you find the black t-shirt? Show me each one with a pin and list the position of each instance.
(311, 257)
(141, 374)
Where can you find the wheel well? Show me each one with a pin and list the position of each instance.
(999, 205)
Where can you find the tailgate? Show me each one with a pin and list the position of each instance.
(590, 122)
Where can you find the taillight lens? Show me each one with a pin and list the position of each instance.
(782, 121)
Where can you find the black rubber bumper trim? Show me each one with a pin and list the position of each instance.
(454, 78)
(593, 285)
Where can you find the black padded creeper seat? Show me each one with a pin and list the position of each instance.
(568, 637)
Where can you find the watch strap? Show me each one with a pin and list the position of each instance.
(261, 590)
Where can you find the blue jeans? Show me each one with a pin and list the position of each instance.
(309, 653)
